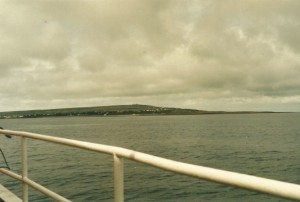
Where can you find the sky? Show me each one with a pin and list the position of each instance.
(226, 55)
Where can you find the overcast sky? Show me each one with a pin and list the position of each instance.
(206, 54)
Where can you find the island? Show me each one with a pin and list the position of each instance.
(115, 110)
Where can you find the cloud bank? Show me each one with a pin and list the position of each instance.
(213, 55)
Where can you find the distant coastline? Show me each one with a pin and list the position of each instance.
(115, 110)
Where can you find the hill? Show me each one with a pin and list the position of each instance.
(115, 110)
(135, 109)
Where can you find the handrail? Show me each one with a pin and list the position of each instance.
(258, 184)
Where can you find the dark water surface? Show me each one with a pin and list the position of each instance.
(265, 145)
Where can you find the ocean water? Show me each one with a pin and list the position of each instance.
(265, 145)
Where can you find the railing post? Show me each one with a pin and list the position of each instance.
(24, 168)
(118, 179)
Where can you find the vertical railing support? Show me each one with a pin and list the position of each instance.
(24, 168)
(118, 179)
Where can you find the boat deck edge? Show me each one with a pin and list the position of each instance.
(8, 196)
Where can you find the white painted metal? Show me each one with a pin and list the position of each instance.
(24, 168)
(273, 187)
(118, 178)
(46, 191)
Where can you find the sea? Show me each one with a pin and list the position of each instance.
(265, 145)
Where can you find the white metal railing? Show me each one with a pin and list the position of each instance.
(258, 184)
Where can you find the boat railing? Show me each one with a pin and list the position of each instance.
(248, 182)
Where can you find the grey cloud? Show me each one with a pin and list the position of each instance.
(193, 51)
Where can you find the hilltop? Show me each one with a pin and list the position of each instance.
(115, 110)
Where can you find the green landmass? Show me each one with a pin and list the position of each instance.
(116, 110)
